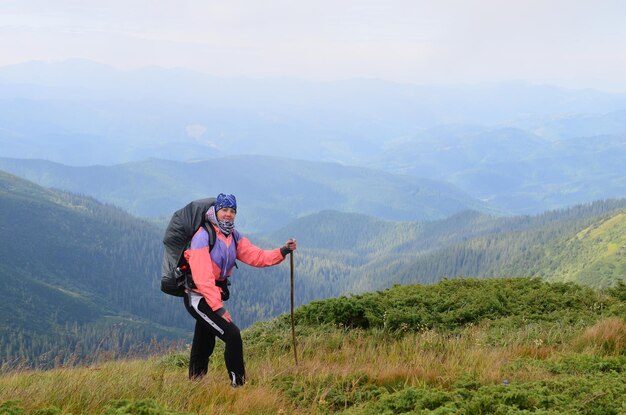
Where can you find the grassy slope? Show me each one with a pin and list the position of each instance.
(536, 348)
(595, 256)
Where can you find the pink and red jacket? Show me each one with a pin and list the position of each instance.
(217, 265)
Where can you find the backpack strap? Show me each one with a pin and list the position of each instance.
(235, 241)
(211, 232)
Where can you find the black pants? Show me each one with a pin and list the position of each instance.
(209, 325)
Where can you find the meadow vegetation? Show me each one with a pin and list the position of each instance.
(465, 346)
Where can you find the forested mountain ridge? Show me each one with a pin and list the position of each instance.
(91, 270)
(518, 246)
(468, 244)
(356, 253)
(272, 191)
(77, 276)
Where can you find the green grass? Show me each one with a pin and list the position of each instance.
(547, 349)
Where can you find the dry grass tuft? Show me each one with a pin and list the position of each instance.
(607, 336)
(260, 400)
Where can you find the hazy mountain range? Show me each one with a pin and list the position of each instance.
(272, 191)
(513, 169)
(524, 148)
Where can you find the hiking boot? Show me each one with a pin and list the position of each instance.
(237, 380)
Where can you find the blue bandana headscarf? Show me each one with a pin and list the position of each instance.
(222, 201)
(225, 201)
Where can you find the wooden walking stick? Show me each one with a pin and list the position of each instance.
(293, 323)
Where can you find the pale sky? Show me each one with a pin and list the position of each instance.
(573, 43)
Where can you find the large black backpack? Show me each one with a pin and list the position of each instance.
(175, 274)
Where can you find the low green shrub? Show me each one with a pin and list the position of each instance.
(453, 304)
(174, 360)
(587, 365)
(592, 395)
(11, 408)
(15, 408)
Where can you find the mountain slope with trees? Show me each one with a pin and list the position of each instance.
(78, 277)
(356, 253)
(469, 244)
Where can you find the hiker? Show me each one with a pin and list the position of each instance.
(210, 269)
